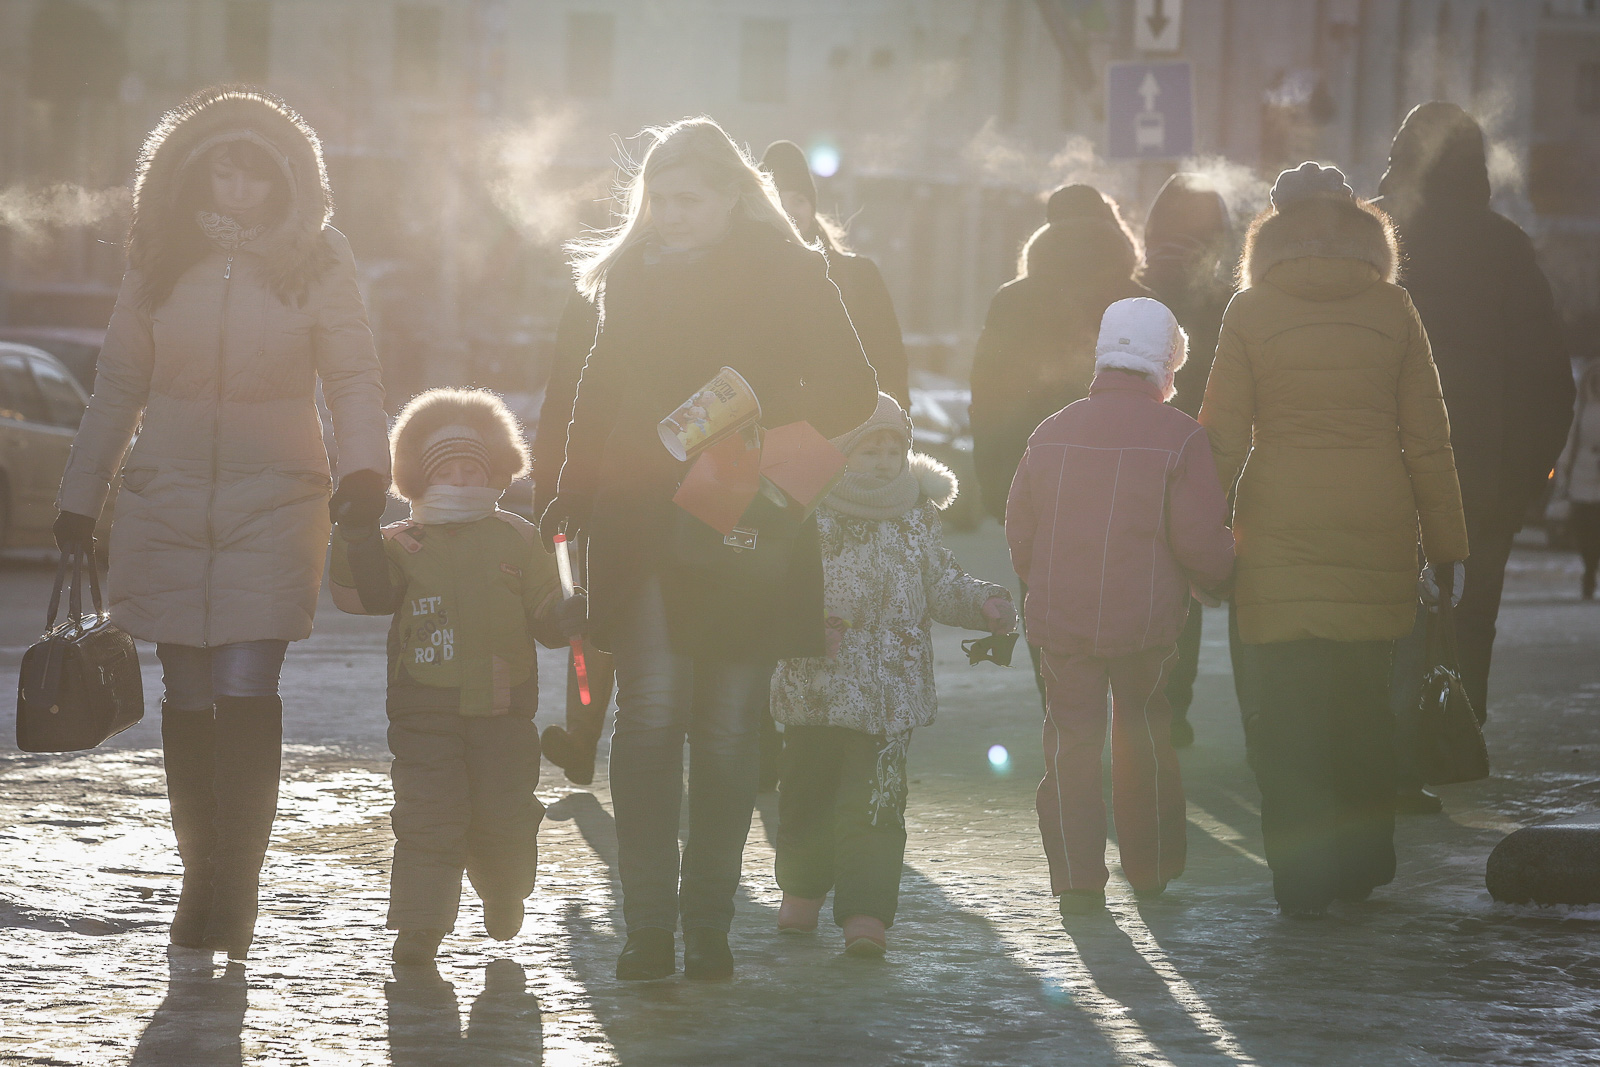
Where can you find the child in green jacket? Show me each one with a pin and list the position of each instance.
(470, 588)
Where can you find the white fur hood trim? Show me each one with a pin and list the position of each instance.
(938, 483)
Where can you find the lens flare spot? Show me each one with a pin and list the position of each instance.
(824, 160)
(999, 758)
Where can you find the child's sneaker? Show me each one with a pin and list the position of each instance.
(864, 937)
(502, 919)
(416, 948)
(798, 915)
(1076, 902)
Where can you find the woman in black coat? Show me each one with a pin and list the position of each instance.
(1036, 353)
(706, 271)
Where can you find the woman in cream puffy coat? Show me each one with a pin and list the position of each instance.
(238, 300)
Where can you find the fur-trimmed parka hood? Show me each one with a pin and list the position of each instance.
(1320, 227)
(937, 482)
(295, 248)
(435, 409)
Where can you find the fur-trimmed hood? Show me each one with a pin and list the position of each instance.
(1324, 227)
(295, 248)
(937, 482)
(435, 409)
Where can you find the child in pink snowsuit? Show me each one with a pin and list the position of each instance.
(1115, 513)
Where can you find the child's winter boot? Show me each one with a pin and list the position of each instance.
(1075, 902)
(417, 948)
(864, 937)
(502, 919)
(798, 915)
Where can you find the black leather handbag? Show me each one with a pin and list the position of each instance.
(1450, 745)
(80, 682)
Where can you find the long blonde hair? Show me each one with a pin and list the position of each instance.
(697, 142)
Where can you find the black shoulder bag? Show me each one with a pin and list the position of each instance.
(80, 682)
(1450, 745)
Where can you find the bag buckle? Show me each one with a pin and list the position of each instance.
(742, 539)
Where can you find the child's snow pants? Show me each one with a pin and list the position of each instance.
(1146, 785)
(842, 819)
(463, 801)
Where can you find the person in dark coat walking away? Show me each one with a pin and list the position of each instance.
(1036, 353)
(871, 310)
(1189, 255)
(1114, 516)
(570, 747)
(860, 283)
(1578, 477)
(704, 271)
(239, 299)
(1326, 419)
(470, 590)
(1502, 361)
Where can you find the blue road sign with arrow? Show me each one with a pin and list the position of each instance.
(1149, 110)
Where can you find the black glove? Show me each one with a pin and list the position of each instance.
(572, 615)
(74, 531)
(359, 500)
(561, 516)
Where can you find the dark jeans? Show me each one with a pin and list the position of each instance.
(1405, 694)
(1585, 522)
(194, 677)
(463, 801)
(665, 697)
(1475, 616)
(842, 819)
(1319, 737)
(1180, 684)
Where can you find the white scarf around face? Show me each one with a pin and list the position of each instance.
(454, 503)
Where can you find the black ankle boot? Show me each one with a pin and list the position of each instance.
(572, 752)
(246, 765)
(706, 954)
(649, 954)
(187, 743)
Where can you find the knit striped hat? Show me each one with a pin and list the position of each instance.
(453, 442)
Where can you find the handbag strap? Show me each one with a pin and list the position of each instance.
(94, 580)
(55, 594)
(75, 591)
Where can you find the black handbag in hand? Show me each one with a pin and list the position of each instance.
(80, 682)
(1450, 745)
(756, 555)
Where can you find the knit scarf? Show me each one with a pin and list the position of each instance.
(862, 496)
(225, 233)
(454, 503)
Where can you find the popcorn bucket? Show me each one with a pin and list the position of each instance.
(724, 405)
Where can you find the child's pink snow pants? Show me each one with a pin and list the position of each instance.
(1146, 785)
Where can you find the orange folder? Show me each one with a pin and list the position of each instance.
(799, 460)
(722, 482)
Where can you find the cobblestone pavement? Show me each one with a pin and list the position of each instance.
(1430, 971)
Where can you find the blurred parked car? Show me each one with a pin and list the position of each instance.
(942, 428)
(41, 405)
(77, 347)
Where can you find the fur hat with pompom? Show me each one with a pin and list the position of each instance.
(444, 424)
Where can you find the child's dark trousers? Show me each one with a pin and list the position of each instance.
(841, 819)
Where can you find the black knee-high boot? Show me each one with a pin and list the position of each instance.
(249, 755)
(187, 743)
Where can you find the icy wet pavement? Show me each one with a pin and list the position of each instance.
(1430, 971)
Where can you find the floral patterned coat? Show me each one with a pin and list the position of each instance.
(886, 583)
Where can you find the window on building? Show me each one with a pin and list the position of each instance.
(764, 61)
(248, 40)
(590, 42)
(1587, 99)
(417, 57)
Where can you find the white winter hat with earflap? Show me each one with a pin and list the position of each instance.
(1140, 336)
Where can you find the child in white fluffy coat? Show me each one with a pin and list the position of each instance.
(848, 717)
